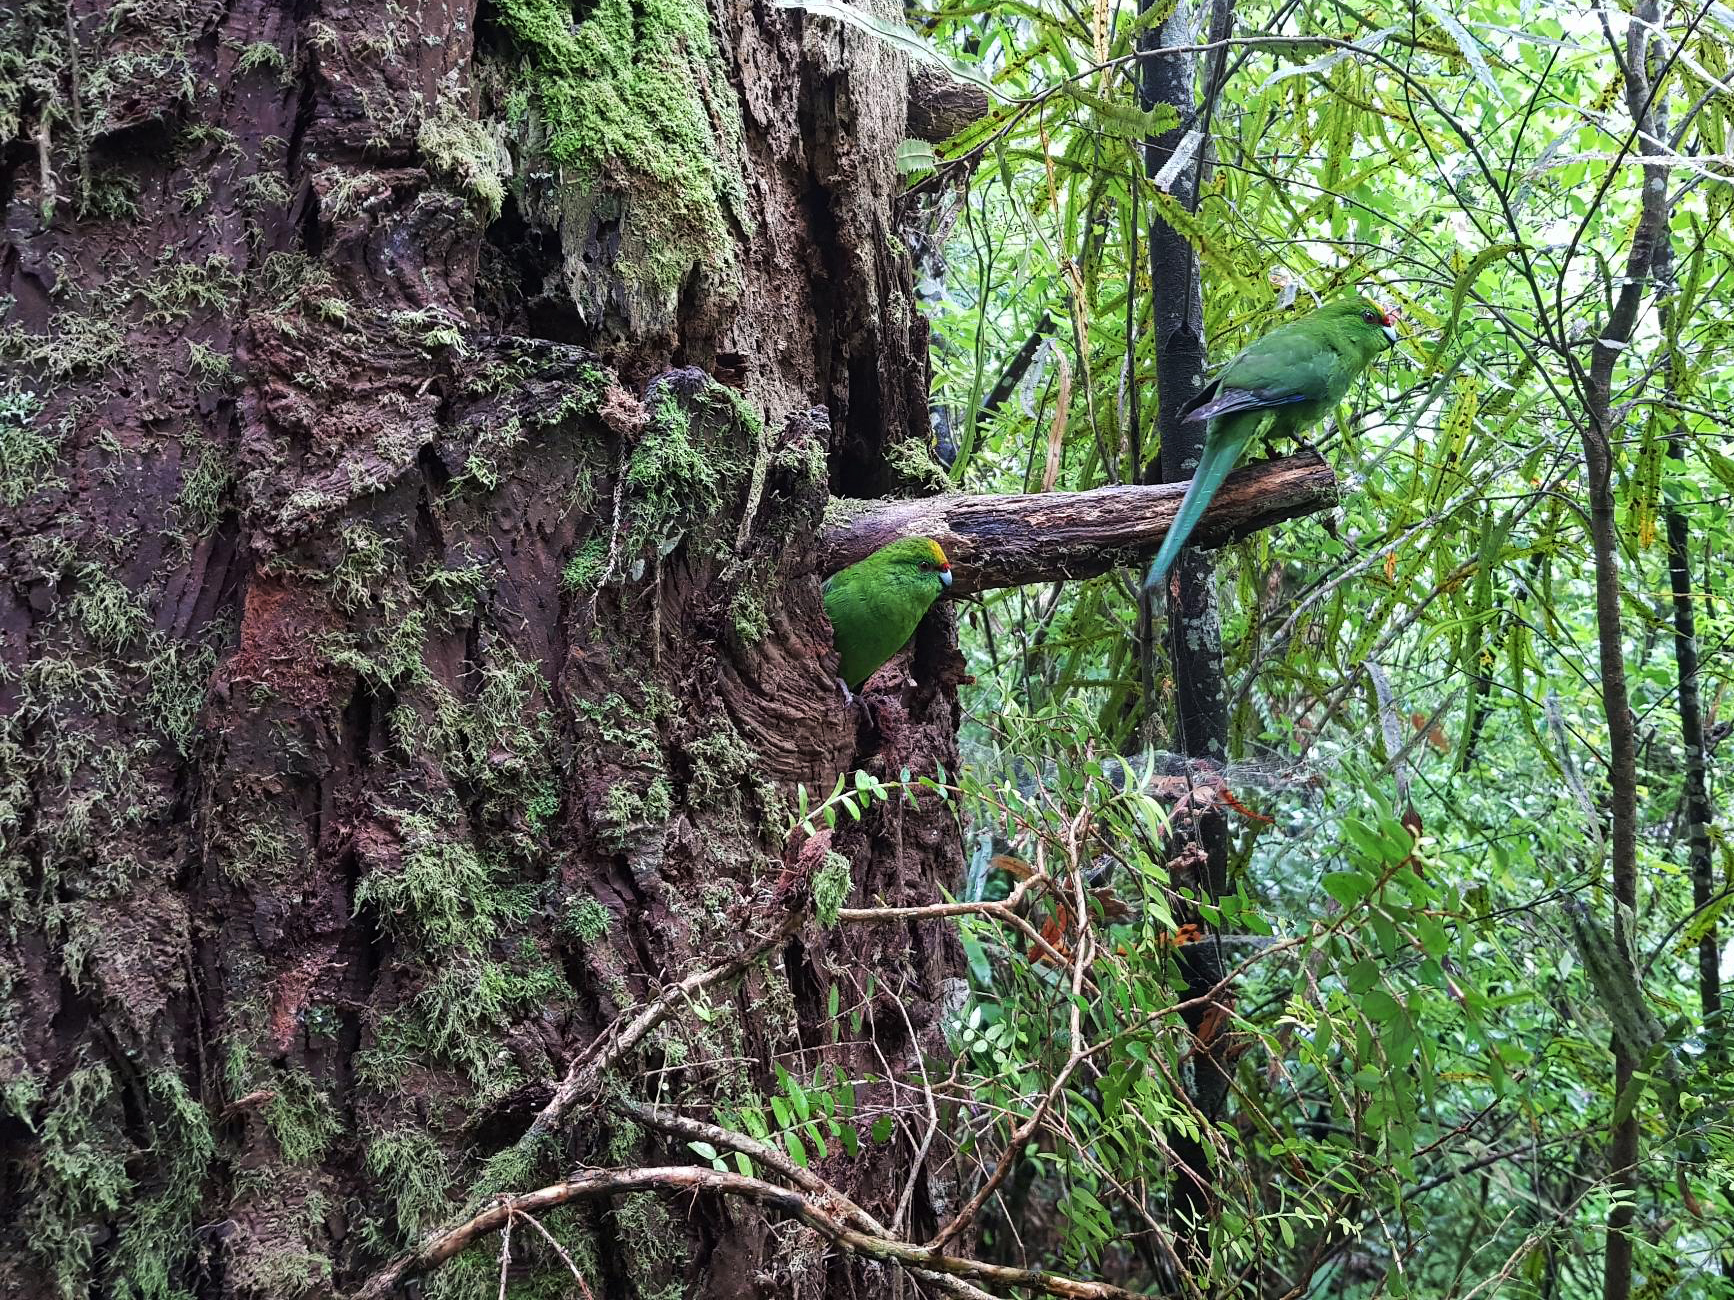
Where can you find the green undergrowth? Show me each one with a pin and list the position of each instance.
(460, 147)
(675, 478)
(444, 896)
(587, 566)
(458, 1020)
(300, 1115)
(412, 1173)
(688, 468)
(540, 1274)
(206, 477)
(27, 451)
(544, 400)
(280, 1250)
(585, 918)
(102, 702)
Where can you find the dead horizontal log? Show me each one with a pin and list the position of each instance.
(1010, 540)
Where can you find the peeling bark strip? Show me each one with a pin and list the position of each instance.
(1006, 541)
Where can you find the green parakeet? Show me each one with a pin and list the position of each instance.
(1290, 377)
(875, 605)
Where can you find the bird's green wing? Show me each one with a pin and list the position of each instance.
(1289, 366)
(871, 619)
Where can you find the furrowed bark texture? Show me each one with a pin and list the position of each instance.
(408, 649)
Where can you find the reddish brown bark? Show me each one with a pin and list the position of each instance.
(396, 691)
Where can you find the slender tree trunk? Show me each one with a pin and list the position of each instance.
(1622, 780)
(1598, 440)
(1700, 815)
(405, 674)
(1695, 792)
(1194, 632)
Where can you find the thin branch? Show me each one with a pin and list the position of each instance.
(1079, 1053)
(773, 1159)
(506, 1248)
(584, 1075)
(693, 1179)
(559, 1250)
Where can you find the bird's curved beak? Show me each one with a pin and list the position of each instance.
(945, 574)
(1389, 328)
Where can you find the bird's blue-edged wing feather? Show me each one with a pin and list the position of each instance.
(1286, 367)
(1217, 400)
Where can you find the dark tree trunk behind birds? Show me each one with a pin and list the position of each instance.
(401, 682)
(1191, 637)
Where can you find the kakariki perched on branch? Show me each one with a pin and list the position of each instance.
(875, 605)
(1290, 378)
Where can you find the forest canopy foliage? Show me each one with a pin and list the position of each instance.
(1422, 1092)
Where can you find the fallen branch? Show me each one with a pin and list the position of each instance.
(1010, 540)
(693, 1179)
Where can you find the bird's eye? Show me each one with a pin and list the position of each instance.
(926, 567)
(1371, 317)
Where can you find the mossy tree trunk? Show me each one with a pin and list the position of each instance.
(415, 425)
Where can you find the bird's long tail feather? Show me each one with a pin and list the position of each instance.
(1219, 456)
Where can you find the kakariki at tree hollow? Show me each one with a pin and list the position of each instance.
(830, 650)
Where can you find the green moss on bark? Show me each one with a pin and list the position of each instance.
(26, 450)
(633, 102)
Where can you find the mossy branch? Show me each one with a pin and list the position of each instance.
(692, 1179)
(1013, 539)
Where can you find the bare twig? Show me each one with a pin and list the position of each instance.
(773, 1159)
(920, 1159)
(559, 1250)
(1001, 911)
(763, 1152)
(693, 1179)
(584, 1075)
(1084, 953)
(506, 1247)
